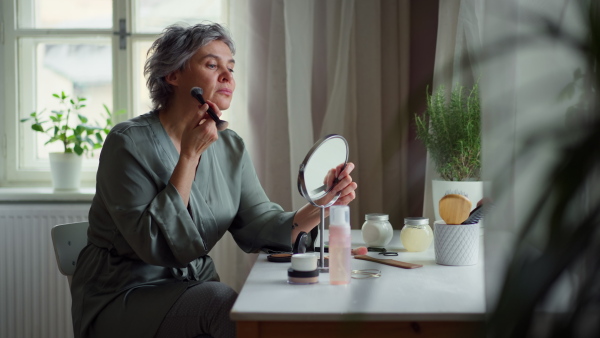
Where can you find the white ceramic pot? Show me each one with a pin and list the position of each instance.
(456, 244)
(473, 190)
(66, 171)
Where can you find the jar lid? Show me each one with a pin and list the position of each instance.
(416, 220)
(377, 217)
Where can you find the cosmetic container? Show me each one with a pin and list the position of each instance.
(339, 245)
(416, 235)
(377, 231)
(304, 269)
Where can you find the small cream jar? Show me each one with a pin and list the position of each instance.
(304, 269)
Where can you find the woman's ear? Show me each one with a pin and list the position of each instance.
(172, 78)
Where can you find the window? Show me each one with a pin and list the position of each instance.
(94, 49)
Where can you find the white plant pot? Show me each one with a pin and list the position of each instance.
(471, 189)
(66, 171)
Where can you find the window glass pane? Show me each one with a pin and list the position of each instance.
(152, 16)
(142, 102)
(63, 14)
(80, 69)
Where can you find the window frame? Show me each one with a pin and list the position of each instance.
(12, 73)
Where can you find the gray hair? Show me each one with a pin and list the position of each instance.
(172, 51)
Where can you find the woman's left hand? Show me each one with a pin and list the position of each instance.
(345, 186)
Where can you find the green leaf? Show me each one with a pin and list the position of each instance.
(37, 127)
(90, 141)
(567, 92)
(79, 129)
(82, 118)
(56, 95)
(78, 149)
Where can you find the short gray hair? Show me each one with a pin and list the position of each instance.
(172, 51)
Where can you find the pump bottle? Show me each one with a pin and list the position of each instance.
(339, 244)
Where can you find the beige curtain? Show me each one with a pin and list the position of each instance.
(305, 69)
(323, 67)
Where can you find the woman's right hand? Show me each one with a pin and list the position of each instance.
(200, 133)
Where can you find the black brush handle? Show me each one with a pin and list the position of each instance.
(475, 216)
(197, 93)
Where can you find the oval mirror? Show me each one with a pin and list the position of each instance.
(313, 179)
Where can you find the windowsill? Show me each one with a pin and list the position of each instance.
(46, 194)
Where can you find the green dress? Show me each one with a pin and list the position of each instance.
(145, 247)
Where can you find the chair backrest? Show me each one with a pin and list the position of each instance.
(68, 241)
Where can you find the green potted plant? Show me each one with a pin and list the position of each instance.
(70, 127)
(450, 128)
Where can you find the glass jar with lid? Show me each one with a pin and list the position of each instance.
(416, 235)
(377, 231)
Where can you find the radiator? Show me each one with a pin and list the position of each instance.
(35, 300)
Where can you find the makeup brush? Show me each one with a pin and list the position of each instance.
(361, 250)
(221, 124)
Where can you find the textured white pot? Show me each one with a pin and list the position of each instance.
(473, 190)
(456, 244)
(66, 171)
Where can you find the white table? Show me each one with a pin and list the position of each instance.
(428, 301)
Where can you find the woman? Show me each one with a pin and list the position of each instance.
(168, 187)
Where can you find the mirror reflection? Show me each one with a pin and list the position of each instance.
(320, 168)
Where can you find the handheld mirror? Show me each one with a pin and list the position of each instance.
(315, 180)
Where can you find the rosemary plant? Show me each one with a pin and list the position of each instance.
(451, 131)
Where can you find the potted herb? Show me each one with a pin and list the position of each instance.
(70, 127)
(450, 128)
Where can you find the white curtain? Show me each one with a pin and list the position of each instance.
(306, 69)
(458, 37)
(521, 72)
(521, 86)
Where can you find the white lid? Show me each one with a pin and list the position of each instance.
(304, 262)
(377, 217)
(416, 220)
(339, 215)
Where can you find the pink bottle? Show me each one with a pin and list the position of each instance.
(339, 244)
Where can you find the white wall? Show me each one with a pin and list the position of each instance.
(2, 99)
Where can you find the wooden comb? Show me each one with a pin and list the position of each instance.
(391, 262)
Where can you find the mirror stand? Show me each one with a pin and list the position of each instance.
(328, 153)
(322, 266)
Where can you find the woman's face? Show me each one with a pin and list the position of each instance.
(211, 69)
